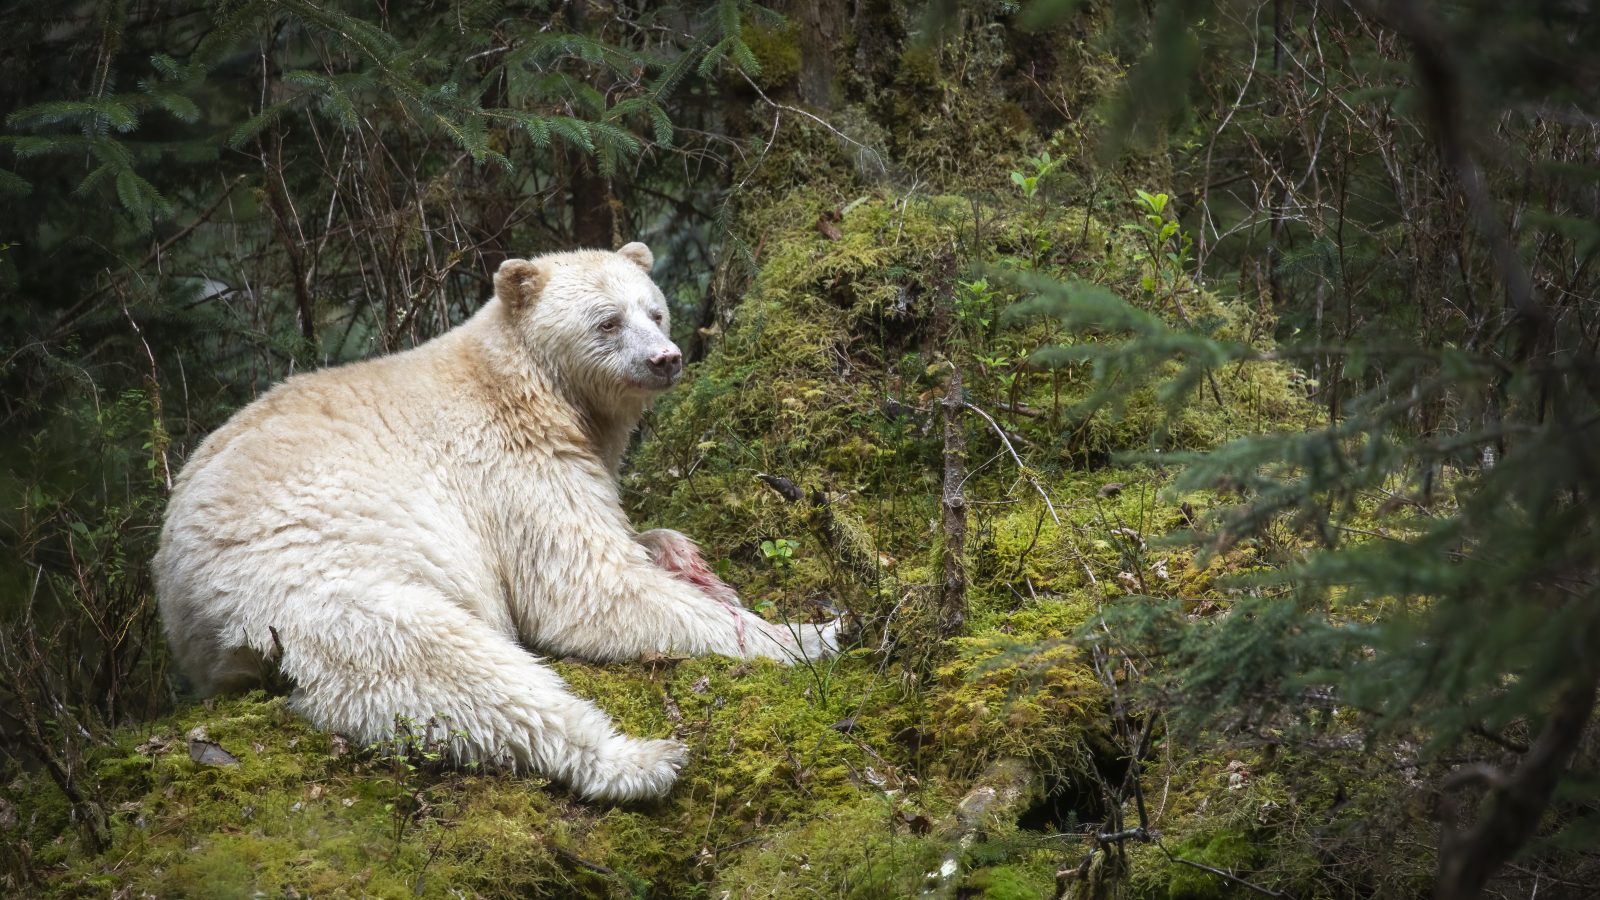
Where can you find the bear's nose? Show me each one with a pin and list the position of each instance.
(667, 363)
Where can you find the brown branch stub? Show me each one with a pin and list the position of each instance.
(784, 488)
(953, 583)
(277, 203)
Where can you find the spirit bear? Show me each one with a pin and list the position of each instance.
(392, 534)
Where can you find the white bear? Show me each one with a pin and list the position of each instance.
(394, 533)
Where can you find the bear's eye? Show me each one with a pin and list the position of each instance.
(656, 317)
(611, 324)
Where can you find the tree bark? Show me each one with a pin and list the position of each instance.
(820, 30)
(953, 588)
(594, 209)
(594, 220)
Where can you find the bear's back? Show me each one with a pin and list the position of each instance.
(384, 412)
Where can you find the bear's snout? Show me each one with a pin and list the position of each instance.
(667, 363)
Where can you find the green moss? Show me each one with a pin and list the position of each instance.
(833, 326)
(1012, 883)
(287, 813)
(861, 850)
(293, 815)
(777, 52)
(1002, 696)
(1231, 851)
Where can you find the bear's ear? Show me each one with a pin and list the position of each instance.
(639, 255)
(518, 282)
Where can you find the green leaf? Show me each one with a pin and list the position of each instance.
(336, 105)
(110, 110)
(671, 76)
(608, 136)
(728, 18)
(166, 65)
(537, 129)
(130, 190)
(661, 124)
(713, 57)
(140, 198)
(96, 175)
(746, 59)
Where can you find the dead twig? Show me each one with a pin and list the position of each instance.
(1018, 460)
(1023, 469)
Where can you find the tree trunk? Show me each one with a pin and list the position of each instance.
(820, 28)
(953, 588)
(594, 219)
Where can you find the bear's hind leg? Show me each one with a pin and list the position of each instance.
(424, 659)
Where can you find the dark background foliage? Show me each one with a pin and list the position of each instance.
(1403, 199)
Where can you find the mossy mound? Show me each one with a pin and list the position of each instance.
(830, 371)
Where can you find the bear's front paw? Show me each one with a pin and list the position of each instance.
(821, 640)
(636, 770)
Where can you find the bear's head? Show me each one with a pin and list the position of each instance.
(595, 319)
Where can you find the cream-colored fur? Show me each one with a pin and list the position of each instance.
(393, 534)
